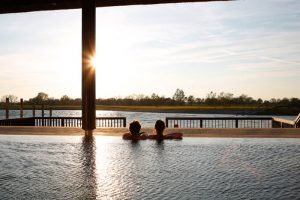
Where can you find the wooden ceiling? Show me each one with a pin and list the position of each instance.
(17, 6)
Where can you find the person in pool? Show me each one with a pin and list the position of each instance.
(159, 128)
(134, 132)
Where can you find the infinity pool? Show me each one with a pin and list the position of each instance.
(67, 167)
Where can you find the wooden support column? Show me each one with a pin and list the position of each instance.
(43, 110)
(7, 108)
(33, 110)
(43, 114)
(88, 70)
(21, 108)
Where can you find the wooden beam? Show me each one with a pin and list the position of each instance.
(17, 6)
(88, 70)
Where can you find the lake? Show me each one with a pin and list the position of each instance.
(147, 119)
(73, 167)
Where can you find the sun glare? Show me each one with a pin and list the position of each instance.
(94, 61)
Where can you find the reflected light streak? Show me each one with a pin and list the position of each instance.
(111, 174)
(105, 168)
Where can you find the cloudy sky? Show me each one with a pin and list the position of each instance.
(243, 47)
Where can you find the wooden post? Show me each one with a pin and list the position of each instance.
(33, 110)
(50, 112)
(43, 110)
(43, 115)
(50, 115)
(88, 70)
(21, 108)
(124, 122)
(7, 108)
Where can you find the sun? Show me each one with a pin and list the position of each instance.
(94, 61)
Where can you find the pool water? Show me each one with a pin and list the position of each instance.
(73, 167)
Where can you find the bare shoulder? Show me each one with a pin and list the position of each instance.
(177, 136)
(127, 136)
(143, 136)
(152, 137)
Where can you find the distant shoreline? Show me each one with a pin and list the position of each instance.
(205, 109)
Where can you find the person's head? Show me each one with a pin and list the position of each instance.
(134, 128)
(159, 127)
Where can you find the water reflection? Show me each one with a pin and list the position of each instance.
(58, 167)
(88, 158)
(147, 119)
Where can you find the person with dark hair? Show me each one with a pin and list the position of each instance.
(159, 128)
(134, 132)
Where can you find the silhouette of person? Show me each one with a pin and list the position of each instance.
(159, 128)
(134, 132)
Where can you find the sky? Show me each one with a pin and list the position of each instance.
(243, 47)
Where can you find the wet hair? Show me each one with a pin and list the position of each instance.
(134, 128)
(159, 126)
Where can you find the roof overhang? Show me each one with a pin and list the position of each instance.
(17, 6)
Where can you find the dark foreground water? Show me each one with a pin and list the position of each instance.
(64, 167)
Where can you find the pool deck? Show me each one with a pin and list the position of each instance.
(187, 132)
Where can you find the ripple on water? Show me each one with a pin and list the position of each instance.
(35, 167)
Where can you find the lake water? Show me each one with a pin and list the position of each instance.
(67, 167)
(147, 119)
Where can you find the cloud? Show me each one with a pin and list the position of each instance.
(211, 44)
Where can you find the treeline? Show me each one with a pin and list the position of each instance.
(178, 99)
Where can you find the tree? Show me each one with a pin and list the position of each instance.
(65, 100)
(12, 98)
(295, 102)
(154, 96)
(225, 98)
(243, 98)
(40, 98)
(259, 101)
(211, 98)
(199, 101)
(211, 95)
(179, 96)
(191, 100)
(273, 101)
(284, 102)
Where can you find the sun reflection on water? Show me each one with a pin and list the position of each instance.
(107, 175)
(117, 171)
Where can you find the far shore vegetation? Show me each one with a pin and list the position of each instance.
(222, 103)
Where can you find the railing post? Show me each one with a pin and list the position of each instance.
(62, 122)
(21, 108)
(50, 111)
(50, 115)
(124, 122)
(201, 123)
(43, 115)
(167, 122)
(236, 123)
(33, 110)
(7, 108)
